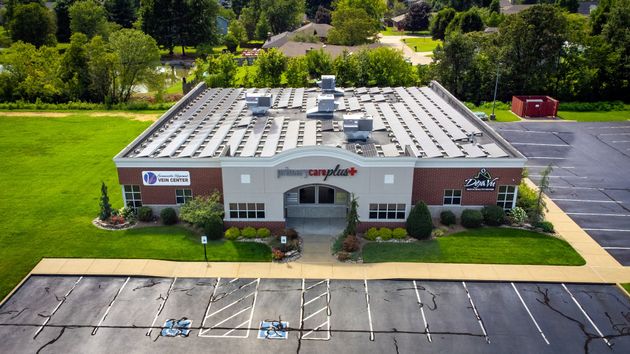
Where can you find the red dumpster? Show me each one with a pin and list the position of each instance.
(534, 106)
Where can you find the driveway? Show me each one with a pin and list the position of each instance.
(415, 57)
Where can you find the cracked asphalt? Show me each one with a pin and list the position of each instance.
(590, 179)
(90, 314)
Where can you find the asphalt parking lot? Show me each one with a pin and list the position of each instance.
(591, 176)
(73, 314)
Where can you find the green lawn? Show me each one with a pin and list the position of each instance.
(391, 31)
(627, 287)
(422, 44)
(486, 245)
(611, 116)
(502, 114)
(52, 171)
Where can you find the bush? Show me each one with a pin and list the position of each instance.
(546, 226)
(168, 216)
(343, 256)
(351, 243)
(371, 234)
(437, 233)
(213, 228)
(201, 209)
(399, 233)
(384, 233)
(528, 200)
(249, 232)
(290, 233)
(517, 215)
(263, 232)
(145, 214)
(471, 218)
(277, 254)
(592, 106)
(419, 222)
(447, 218)
(232, 233)
(128, 213)
(493, 215)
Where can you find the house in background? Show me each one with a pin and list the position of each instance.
(222, 25)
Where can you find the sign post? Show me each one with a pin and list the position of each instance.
(204, 242)
(283, 241)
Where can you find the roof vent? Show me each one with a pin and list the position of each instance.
(258, 103)
(326, 106)
(357, 126)
(327, 84)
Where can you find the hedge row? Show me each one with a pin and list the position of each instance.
(234, 233)
(385, 233)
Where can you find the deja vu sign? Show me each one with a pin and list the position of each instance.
(483, 181)
(166, 178)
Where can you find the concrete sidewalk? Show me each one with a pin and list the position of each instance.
(600, 266)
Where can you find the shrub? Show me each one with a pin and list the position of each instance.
(471, 218)
(517, 215)
(343, 256)
(528, 200)
(116, 220)
(399, 233)
(249, 232)
(371, 234)
(145, 214)
(351, 243)
(214, 228)
(277, 254)
(168, 216)
(232, 233)
(128, 213)
(546, 226)
(419, 222)
(493, 215)
(448, 218)
(384, 233)
(290, 234)
(437, 233)
(201, 209)
(263, 232)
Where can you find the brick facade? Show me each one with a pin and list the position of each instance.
(429, 184)
(203, 181)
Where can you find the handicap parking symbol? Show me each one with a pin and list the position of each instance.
(273, 330)
(173, 328)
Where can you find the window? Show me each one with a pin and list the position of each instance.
(246, 179)
(307, 195)
(247, 210)
(388, 179)
(326, 195)
(183, 195)
(506, 197)
(452, 197)
(133, 198)
(387, 211)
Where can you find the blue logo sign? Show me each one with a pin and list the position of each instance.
(149, 178)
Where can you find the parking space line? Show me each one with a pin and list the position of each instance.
(483, 329)
(526, 131)
(616, 248)
(367, 300)
(159, 311)
(312, 286)
(203, 331)
(315, 298)
(608, 134)
(585, 200)
(620, 141)
(314, 313)
(110, 306)
(421, 305)
(586, 315)
(608, 230)
(326, 307)
(540, 144)
(530, 314)
(599, 214)
(63, 299)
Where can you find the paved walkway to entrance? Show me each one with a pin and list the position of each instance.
(600, 266)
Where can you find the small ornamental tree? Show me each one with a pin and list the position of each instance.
(419, 222)
(543, 187)
(352, 218)
(106, 208)
(201, 209)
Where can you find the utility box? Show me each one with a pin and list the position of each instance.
(259, 104)
(534, 106)
(357, 126)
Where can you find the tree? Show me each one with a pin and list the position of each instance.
(569, 5)
(137, 55)
(199, 23)
(347, 69)
(237, 29)
(88, 17)
(106, 207)
(62, 12)
(318, 63)
(419, 223)
(231, 42)
(440, 22)
(389, 68)
(454, 62)
(202, 209)
(297, 72)
(74, 68)
(543, 187)
(249, 20)
(5, 38)
(33, 23)
(262, 27)
(270, 65)
(122, 12)
(468, 21)
(221, 71)
(616, 31)
(417, 19)
(599, 16)
(312, 6)
(101, 63)
(375, 9)
(495, 6)
(323, 15)
(283, 15)
(352, 27)
(352, 219)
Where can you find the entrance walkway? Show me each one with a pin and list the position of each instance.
(317, 234)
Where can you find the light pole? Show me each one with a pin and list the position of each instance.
(494, 100)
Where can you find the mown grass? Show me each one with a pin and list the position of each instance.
(52, 172)
(627, 287)
(486, 246)
(422, 44)
(391, 31)
(605, 116)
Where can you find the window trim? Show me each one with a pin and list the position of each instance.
(452, 197)
(136, 203)
(502, 202)
(259, 211)
(376, 208)
(186, 197)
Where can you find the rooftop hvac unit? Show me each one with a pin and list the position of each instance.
(258, 103)
(327, 84)
(326, 106)
(357, 126)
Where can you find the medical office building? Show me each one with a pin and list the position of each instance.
(282, 153)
